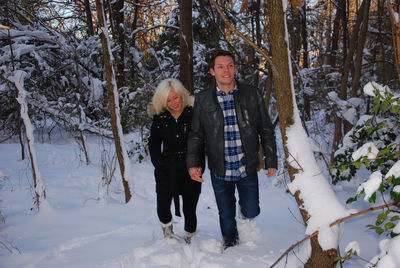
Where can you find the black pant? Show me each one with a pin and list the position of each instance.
(190, 200)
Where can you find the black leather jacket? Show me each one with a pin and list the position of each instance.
(208, 130)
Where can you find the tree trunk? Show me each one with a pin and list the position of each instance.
(283, 85)
(40, 193)
(117, 9)
(186, 45)
(113, 99)
(396, 35)
(360, 49)
(320, 258)
(329, 35)
(335, 34)
(345, 77)
(89, 21)
(306, 97)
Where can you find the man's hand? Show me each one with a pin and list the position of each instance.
(195, 174)
(271, 172)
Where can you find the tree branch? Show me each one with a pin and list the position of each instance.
(245, 38)
(333, 224)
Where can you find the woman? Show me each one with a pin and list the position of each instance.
(171, 108)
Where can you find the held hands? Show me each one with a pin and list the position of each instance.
(195, 174)
(271, 172)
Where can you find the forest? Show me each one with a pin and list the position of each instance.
(328, 69)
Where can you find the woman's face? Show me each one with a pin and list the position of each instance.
(174, 103)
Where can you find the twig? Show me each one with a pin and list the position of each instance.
(300, 167)
(245, 38)
(333, 224)
(296, 217)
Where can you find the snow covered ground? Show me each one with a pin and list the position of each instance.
(79, 227)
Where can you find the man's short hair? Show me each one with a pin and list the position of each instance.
(218, 53)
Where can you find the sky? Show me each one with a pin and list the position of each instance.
(80, 225)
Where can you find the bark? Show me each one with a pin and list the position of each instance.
(256, 29)
(117, 7)
(186, 45)
(303, 34)
(329, 35)
(89, 20)
(320, 258)
(304, 42)
(113, 101)
(378, 51)
(396, 36)
(336, 29)
(258, 23)
(360, 49)
(132, 41)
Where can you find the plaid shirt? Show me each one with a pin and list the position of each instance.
(235, 161)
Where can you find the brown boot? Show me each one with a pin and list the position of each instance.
(188, 237)
(168, 230)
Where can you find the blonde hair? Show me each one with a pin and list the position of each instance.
(159, 101)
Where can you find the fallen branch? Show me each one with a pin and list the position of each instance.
(333, 224)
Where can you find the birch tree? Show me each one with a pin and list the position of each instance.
(113, 99)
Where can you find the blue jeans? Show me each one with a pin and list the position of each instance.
(225, 196)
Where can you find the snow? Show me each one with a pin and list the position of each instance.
(371, 87)
(397, 228)
(354, 247)
(392, 259)
(394, 170)
(371, 185)
(347, 109)
(309, 178)
(368, 149)
(76, 228)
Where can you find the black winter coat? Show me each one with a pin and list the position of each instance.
(168, 146)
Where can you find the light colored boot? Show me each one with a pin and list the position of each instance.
(188, 237)
(167, 230)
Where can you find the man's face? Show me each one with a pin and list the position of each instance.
(224, 71)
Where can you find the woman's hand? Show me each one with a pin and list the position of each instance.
(195, 174)
(271, 172)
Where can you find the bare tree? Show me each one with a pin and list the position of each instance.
(113, 99)
(117, 16)
(338, 134)
(186, 45)
(283, 85)
(18, 80)
(89, 20)
(360, 49)
(394, 14)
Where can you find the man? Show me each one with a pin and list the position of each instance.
(230, 119)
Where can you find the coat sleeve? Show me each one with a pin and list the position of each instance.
(155, 142)
(195, 143)
(267, 134)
